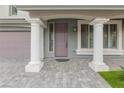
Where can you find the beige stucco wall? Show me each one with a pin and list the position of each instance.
(4, 10)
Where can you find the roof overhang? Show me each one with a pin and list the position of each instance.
(70, 7)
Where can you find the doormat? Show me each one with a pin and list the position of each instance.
(62, 60)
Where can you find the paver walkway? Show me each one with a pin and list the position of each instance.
(71, 74)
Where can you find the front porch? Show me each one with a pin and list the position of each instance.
(58, 39)
(96, 32)
(74, 73)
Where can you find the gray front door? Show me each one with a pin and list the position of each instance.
(61, 49)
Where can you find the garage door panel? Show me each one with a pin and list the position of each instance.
(15, 45)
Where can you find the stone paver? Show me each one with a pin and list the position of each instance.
(114, 62)
(71, 74)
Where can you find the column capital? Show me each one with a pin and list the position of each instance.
(36, 20)
(99, 21)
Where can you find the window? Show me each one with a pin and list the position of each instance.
(112, 38)
(51, 36)
(105, 36)
(86, 36)
(91, 36)
(109, 36)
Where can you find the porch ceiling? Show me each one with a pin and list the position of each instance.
(78, 14)
(87, 12)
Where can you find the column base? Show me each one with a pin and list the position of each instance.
(98, 67)
(32, 67)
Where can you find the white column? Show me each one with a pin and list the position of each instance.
(42, 43)
(97, 64)
(35, 63)
(79, 35)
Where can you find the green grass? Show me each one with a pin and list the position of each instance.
(113, 78)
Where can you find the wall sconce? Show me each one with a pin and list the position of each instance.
(74, 29)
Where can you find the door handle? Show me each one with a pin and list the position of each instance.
(66, 44)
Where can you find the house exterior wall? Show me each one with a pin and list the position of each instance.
(96, 18)
(72, 40)
(72, 36)
(14, 34)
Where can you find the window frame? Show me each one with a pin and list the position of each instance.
(119, 33)
(106, 51)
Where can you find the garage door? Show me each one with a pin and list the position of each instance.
(15, 45)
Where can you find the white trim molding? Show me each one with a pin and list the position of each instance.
(14, 25)
(67, 16)
(36, 20)
(107, 51)
(70, 7)
(99, 20)
(12, 29)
